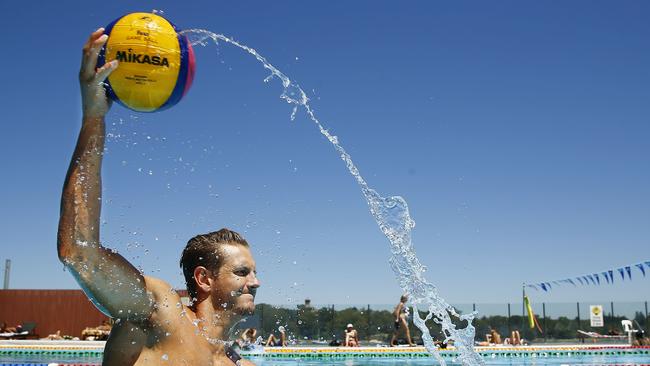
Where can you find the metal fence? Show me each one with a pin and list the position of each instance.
(375, 322)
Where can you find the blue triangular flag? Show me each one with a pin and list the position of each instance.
(621, 271)
(543, 286)
(571, 281)
(580, 280)
(640, 266)
(591, 278)
(629, 272)
(647, 263)
(586, 279)
(606, 276)
(611, 275)
(597, 278)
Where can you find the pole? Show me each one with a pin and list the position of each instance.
(369, 327)
(544, 314)
(578, 307)
(646, 316)
(332, 324)
(523, 306)
(509, 330)
(612, 306)
(259, 309)
(7, 272)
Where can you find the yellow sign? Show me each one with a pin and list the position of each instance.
(596, 316)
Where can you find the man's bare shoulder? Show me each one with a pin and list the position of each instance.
(163, 294)
(160, 288)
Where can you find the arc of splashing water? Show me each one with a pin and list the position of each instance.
(392, 216)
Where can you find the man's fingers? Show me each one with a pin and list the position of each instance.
(91, 52)
(105, 70)
(94, 35)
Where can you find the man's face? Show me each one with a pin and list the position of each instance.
(236, 282)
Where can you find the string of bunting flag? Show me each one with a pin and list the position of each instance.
(597, 278)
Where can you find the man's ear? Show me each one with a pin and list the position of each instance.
(202, 279)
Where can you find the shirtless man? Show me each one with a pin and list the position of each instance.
(152, 326)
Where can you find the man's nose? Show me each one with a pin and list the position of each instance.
(254, 282)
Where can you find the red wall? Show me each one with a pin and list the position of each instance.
(67, 310)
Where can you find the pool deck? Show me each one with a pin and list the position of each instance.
(95, 349)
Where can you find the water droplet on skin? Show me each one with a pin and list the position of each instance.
(165, 357)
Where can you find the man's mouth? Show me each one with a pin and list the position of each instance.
(241, 292)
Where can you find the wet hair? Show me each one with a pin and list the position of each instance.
(404, 298)
(205, 250)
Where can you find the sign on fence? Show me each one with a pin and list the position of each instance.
(596, 315)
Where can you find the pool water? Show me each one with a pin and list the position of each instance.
(383, 361)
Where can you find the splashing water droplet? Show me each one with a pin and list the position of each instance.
(392, 216)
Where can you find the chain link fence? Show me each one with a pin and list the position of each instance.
(559, 322)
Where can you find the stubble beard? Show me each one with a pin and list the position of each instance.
(247, 308)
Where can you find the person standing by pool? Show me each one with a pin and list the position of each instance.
(401, 321)
(152, 326)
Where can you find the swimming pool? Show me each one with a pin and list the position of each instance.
(89, 354)
(389, 361)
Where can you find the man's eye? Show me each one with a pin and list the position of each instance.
(242, 272)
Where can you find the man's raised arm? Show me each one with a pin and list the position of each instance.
(110, 281)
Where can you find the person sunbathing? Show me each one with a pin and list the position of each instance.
(272, 341)
(351, 336)
(248, 338)
(97, 333)
(7, 332)
(54, 337)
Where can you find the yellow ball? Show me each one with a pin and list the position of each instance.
(156, 63)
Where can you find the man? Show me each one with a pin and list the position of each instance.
(152, 326)
(351, 336)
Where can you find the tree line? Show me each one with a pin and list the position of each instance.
(306, 323)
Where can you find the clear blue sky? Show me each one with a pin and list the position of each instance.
(518, 131)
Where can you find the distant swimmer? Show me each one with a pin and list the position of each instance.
(151, 325)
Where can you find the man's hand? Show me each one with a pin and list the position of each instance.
(93, 96)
